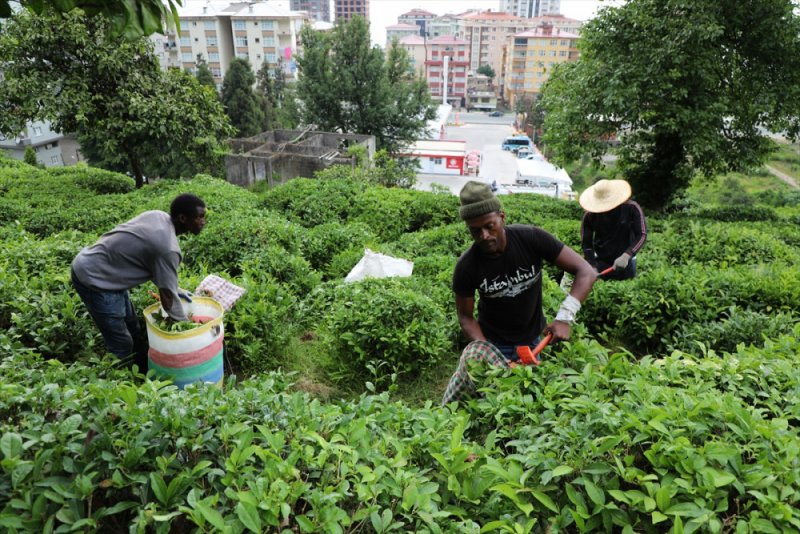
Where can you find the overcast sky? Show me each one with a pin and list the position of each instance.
(384, 13)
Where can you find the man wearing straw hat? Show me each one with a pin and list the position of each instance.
(142, 249)
(613, 228)
(504, 267)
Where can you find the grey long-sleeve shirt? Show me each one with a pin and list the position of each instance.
(142, 249)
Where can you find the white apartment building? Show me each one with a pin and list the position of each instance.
(530, 8)
(257, 31)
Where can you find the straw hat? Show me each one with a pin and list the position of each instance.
(605, 195)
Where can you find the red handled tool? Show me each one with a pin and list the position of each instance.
(528, 356)
(606, 271)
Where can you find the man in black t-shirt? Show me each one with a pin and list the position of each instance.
(504, 267)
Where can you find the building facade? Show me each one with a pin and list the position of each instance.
(481, 94)
(530, 8)
(444, 25)
(344, 10)
(316, 9)
(52, 149)
(219, 31)
(446, 66)
(486, 34)
(419, 18)
(415, 46)
(398, 31)
(531, 57)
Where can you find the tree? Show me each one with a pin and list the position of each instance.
(203, 75)
(686, 85)
(487, 71)
(30, 156)
(132, 18)
(70, 70)
(347, 85)
(242, 105)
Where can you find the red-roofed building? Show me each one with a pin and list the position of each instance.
(415, 46)
(446, 69)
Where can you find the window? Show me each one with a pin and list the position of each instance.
(242, 55)
(187, 57)
(37, 131)
(269, 41)
(266, 24)
(186, 41)
(213, 56)
(553, 42)
(437, 161)
(55, 160)
(258, 40)
(542, 52)
(216, 72)
(211, 41)
(552, 53)
(209, 25)
(241, 41)
(239, 25)
(271, 58)
(563, 53)
(564, 42)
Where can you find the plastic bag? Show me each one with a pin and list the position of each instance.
(375, 265)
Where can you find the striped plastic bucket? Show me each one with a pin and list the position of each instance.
(190, 356)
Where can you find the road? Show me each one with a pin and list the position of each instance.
(484, 134)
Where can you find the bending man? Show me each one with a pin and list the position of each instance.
(142, 249)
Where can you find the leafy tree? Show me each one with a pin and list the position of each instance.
(242, 105)
(686, 85)
(347, 85)
(267, 87)
(203, 74)
(133, 18)
(70, 70)
(486, 70)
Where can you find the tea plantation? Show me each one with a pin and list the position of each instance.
(675, 407)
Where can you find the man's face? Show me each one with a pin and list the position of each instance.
(488, 232)
(196, 223)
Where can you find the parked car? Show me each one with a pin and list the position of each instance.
(496, 113)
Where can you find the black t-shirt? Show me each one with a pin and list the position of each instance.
(509, 285)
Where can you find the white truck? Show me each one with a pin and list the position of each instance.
(535, 175)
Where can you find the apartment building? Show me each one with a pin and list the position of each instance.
(559, 22)
(443, 25)
(257, 31)
(446, 66)
(347, 9)
(417, 17)
(52, 149)
(398, 31)
(481, 94)
(486, 34)
(531, 57)
(415, 46)
(319, 10)
(530, 8)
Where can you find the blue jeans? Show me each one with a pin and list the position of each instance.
(113, 313)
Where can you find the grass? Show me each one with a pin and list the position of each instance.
(787, 159)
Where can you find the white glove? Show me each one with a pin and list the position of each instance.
(622, 262)
(185, 295)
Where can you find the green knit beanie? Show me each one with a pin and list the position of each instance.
(477, 199)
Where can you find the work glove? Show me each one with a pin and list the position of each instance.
(622, 262)
(185, 295)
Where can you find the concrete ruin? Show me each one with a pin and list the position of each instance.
(278, 156)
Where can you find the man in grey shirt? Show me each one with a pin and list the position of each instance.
(142, 249)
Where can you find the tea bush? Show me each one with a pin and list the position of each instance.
(311, 202)
(321, 243)
(383, 323)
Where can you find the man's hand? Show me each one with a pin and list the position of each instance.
(561, 331)
(622, 262)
